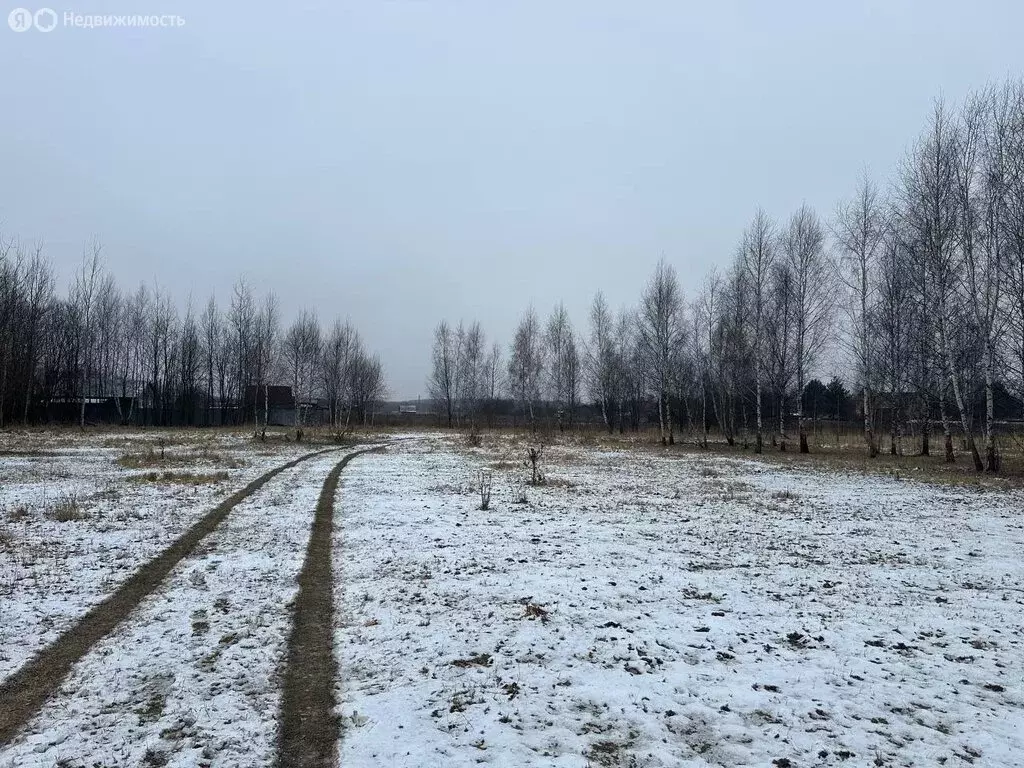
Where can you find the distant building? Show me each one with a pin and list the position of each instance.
(279, 404)
(407, 409)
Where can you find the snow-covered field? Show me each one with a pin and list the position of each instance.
(638, 609)
(192, 678)
(641, 610)
(80, 513)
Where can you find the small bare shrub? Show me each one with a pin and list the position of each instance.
(533, 457)
(473, 439)
(66, 510)
(18, 513)
(485, 488)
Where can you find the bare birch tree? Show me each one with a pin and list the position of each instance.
(526, 365)
(982, 175)
(301, 354)
(813, 283)
(444, 369)
(859, 228)
(600, 360)
(87, 283)
(265, 343)
(472, 373)
(757, 255)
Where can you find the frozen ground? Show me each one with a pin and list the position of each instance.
(639, 609)
(647, 611)
(192, 677)
(74, 522)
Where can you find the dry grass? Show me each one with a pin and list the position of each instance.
(182, 478)
(149, 458)
(726, 489)
(66, 509)
(841, 451)
(18, 513)
(928, 469)
(162, 458)
(476, 660)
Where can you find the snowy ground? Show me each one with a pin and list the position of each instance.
(192, 678)
(74, 522)
(656, 611)
(639, 609)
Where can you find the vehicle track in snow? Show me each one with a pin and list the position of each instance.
(308, 723)
(23, 693)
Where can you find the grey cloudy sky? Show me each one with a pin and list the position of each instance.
(396, 161)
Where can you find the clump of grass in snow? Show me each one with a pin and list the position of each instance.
(153, 458)
(66, 510)
(18, 513)
(478, 660)
(149, 458)
(184, 478)
(535, 611)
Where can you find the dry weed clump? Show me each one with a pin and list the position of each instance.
(18, 513)
(536, 611)
(151, 458)
(182, 478)
(477, 660)
(139, 460)
(66, 509)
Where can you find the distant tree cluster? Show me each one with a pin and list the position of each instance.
(156, 366)
(543, 368)
(465, 377)
(917, 289)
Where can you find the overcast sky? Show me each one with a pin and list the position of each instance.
(399, 161)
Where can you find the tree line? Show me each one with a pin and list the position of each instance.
(136, 353)
(916, 287)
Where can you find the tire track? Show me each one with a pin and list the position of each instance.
(309, 726)
(24, 692)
